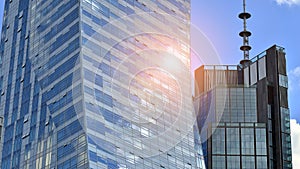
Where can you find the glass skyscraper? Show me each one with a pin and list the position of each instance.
(243, 115)
(97, 84)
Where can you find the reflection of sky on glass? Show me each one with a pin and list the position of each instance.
(1, 12)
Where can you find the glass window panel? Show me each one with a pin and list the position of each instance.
(261, 162)
(248, 162)
(261, 144)
(218, 162)
(247, 140)
(283, 81)
(218, 141)
(233, 141)
(262, 68)
(253, 74)
(246, 76)
(233, 162)
(285, 120)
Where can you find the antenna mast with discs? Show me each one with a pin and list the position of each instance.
(245, 34)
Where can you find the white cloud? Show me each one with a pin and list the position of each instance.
(295, 133)
(294, 78)
(296, 72)
(288, 2)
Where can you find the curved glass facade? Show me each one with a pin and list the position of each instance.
(97, 84)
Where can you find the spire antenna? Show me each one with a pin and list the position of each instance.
(245, 34)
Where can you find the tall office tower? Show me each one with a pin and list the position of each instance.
(1, 138)
(97, 84)
(243, 115)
